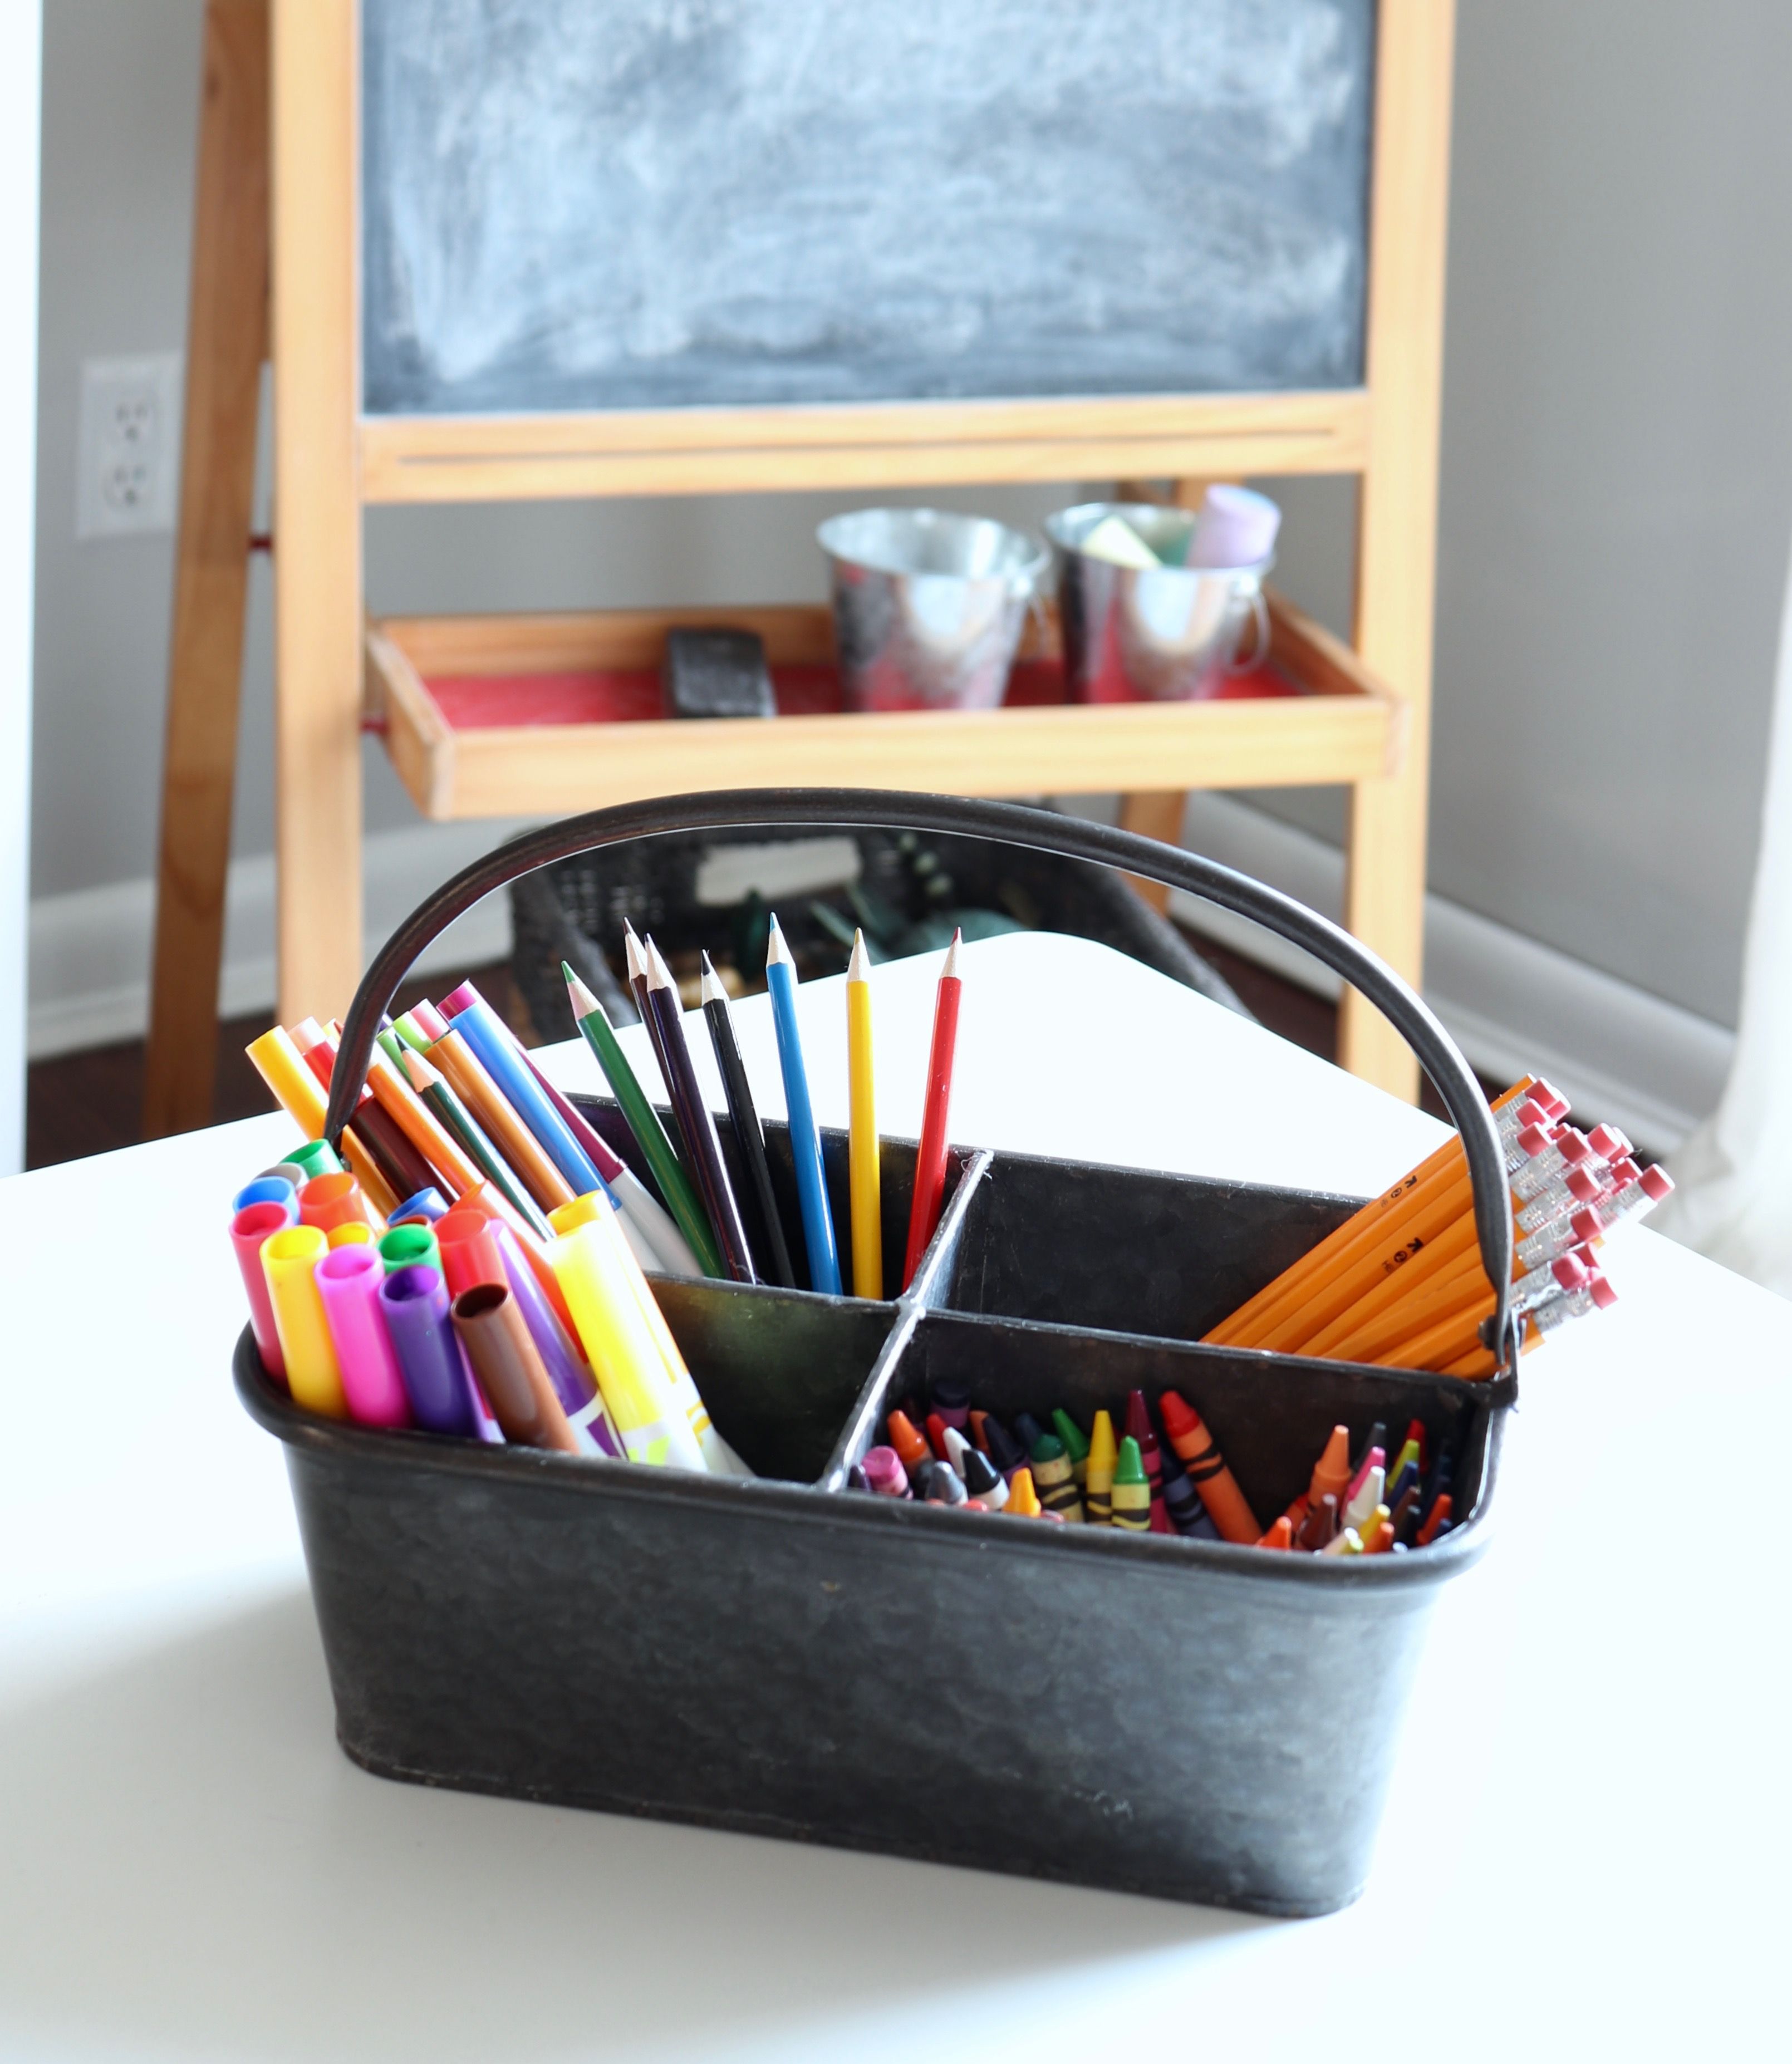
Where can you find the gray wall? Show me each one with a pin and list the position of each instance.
(1616, 502)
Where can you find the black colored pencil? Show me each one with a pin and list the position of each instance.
(743, 1114)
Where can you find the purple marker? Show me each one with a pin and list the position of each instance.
(885, 1473)
(349, 1280)
(573, 1382)
(414, 1303)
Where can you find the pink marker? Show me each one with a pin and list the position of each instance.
(349, 1280)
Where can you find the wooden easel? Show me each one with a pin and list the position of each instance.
(1367, 726)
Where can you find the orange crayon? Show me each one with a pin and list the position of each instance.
(1280, 1535)
(1331, 1473)
(1199, 1455)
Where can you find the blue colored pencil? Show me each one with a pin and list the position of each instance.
(806, 1142)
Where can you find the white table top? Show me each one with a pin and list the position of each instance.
(1584, 1846)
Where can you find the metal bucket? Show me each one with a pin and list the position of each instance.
(928, 606)
(1161, 634)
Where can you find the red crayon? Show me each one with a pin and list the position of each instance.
(930, 1160)
(936, 1436)
(1138, 1428)
(977, 1419)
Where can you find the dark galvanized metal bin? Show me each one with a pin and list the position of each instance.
(1193, 1720)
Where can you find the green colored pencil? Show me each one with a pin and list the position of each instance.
(426, 1080)
(681, 1198)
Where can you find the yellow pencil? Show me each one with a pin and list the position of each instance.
(867, 1189)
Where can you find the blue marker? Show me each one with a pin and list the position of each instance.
(268, 1190)
(428, 1203)
(806, 1142)
(495, 1046)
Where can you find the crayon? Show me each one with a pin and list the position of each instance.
(1281, 1534)
(952, 1402)
(331, 1200)
(1199, 1455)
(942, 1485)
(351, 1232)
(625, 1353)
(1408, 1456)
(695, 1121)
(250, 1230)
(517, 1145)
(805, 1141)
(1375, 1459)
(904, 1438)
(1098, 1480)
(349, 1280)
(957, 1448)
(1028, 1431)
(1407, 1479)
(289, 1259)
(936, 1117)
(1023, 1500)
(1436, 1520)
(428, 1205)
(413, 1302)
(1376, 1443)
(983, 1483)
(509, 1370)
(500, 1054)
(936, 1434)
(1346, 1541)
(1055, 1479)
(1076, 1444)
(1181, 1500)
(1320, 1525)
(866, 1182)
(268, 1190)
(1004, 1451)
(885, 1474)
(406, 1246)
(1297, 1511)
(1364, 1500)
(1379, 1535)
(316, 1157)
(1138, 1427)
(977, 1439)
(1132, 1489)
(643, 1121)
(1407, 1514)
(1415, 1432)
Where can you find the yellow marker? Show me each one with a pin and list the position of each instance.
(1098, 1478)
(351, 1235)
(288, 1259)
(867, 1184)
(625, 1354)
(297, 1090)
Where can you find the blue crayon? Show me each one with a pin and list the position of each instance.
(428, 1203)
(1028, 1431)
(268, 1190)
(806, 1142)
(495, 1048)
(1407, 1480)
(413, 1302)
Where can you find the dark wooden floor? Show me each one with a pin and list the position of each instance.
(91, 1103)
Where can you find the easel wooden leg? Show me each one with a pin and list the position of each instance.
(226, 343)
(317, 627)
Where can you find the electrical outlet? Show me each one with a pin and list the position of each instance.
(129, 446)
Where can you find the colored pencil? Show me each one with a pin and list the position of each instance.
(695, 1121)
(930, 1160)
(866, 1184)
(743, 1116)
(514, 1141)
(439, 1097)
(636, 959)
(806, 1142)
(676, 1188)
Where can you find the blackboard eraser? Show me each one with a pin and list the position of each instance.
(716, 673)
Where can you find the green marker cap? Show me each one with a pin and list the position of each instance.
(316, 1157)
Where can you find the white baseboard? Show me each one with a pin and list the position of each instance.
(1513, 1006)
(90, 949)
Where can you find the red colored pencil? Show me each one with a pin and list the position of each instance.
(930, 1160)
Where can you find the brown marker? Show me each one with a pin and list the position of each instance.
(509, 1370)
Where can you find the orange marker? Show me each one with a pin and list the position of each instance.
(1200, 1456)
(1281, 1535)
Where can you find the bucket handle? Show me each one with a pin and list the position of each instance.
(1009, 823)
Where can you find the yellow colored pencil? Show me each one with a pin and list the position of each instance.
(867, 1175)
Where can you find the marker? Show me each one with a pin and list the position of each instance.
(1055, 1479)
(1132, 1489)
(863, 1158)
(805, 1141)
(413, 1302)
(1077, 1443)
(1199, 1455)
(289, 1259)
(268, 1190)
(561, 1354)
(1098, 1476)
(290, 1171)
(983, 1483)
(491, 1111)
(509, 1370)
(428, 1204)
(407, 1246)
(884, 1472)
(349, 1280)
(250, 1230)
(931, 1156)
(1023, 1500)
(332, 1200)
(469, 1253)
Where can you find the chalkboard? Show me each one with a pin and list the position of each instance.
(589, 204)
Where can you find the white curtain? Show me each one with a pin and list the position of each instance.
(1734, 1201)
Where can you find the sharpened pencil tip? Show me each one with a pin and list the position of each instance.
(950, 972)
(658, 975)
(583, 1001)
(777, 954)
(858, 968)
(712, 989)
(632, 946)
(421, 1075)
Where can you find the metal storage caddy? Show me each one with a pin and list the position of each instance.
(1192, 1719)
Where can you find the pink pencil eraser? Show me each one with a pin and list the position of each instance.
(1656, 1183)
(1607, 1142)
(1532, 1141)
(1603, 1295)
(1573, 1144)
(1584, 1188)
(1531, 1113)
(1586, 1225)
(1569, 1271)
(1551, 1097)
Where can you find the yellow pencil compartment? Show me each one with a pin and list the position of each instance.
(1132, 1710)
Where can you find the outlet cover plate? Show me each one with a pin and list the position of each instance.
(129, 446)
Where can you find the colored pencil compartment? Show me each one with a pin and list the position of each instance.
(1189, 1719)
